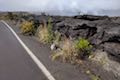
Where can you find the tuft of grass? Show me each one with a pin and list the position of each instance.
(45, 32)
(67, 52)
(27, 28)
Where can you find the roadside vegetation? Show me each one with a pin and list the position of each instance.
(9, 16)
(62, 47)
(73, 51)
(83, 47)
(27, 28)
(66, 52)
(45, 33)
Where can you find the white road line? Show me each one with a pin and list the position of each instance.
(35, 59)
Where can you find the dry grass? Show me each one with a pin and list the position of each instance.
(45, 33)
(27, 27)
(67, 53)
(68, 50)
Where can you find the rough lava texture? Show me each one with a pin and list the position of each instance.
(103, 32)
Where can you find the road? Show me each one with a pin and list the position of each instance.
(15, 63)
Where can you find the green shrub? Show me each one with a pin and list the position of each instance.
(83, 47)
(27, 28)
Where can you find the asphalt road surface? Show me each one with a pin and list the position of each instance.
(15, 63)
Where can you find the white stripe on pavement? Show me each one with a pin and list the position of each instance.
(35, 59)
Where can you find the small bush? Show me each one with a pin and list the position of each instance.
(83, 47)
(45, 32)
(27, 28)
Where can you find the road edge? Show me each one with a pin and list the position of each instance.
(30, 53)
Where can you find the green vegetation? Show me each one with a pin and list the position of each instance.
(73, 51)
(27, 28)
(45, 32)
(83, 46)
